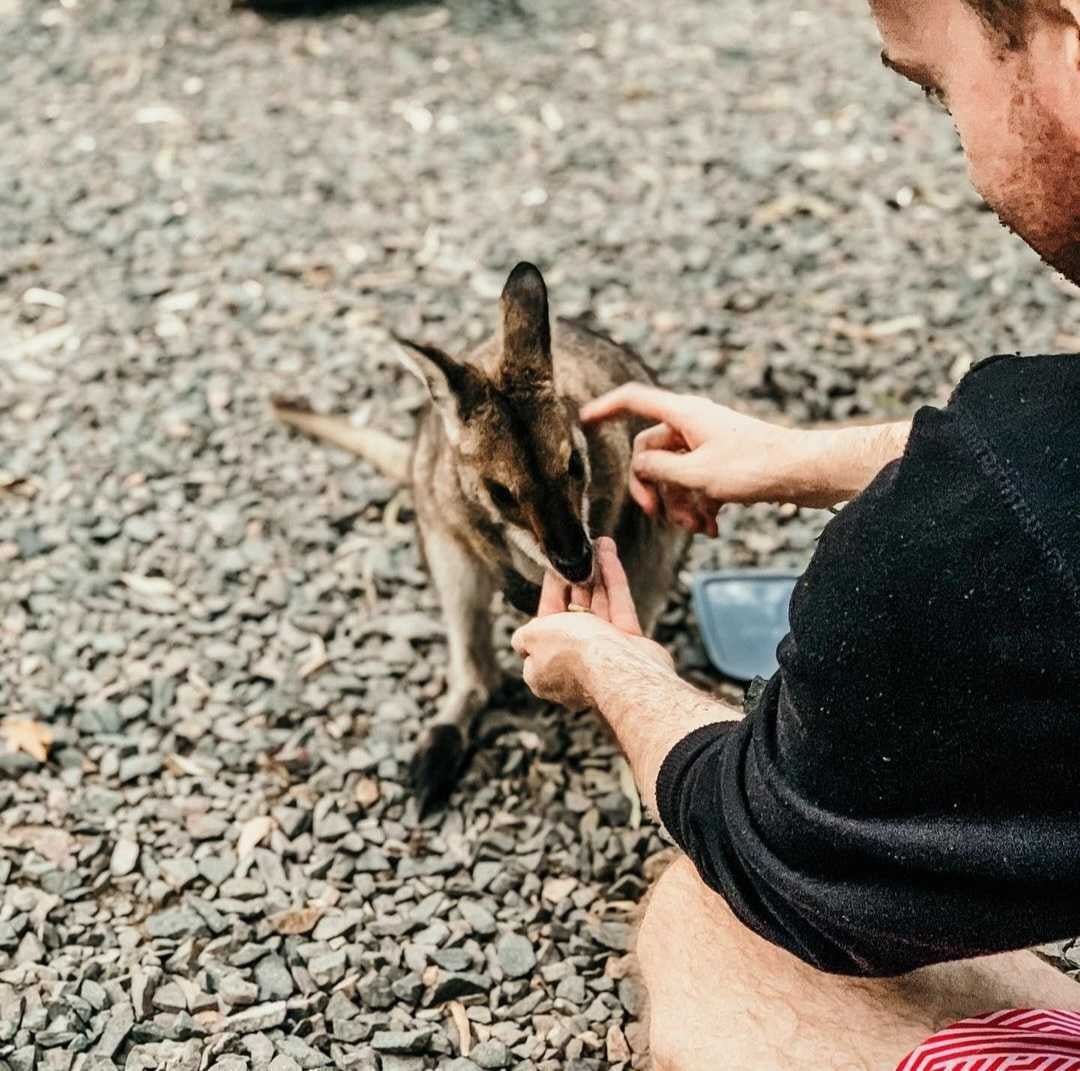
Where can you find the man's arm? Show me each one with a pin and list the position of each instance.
(832, 465)
(601, 660)
(649, 708)
(701, 455)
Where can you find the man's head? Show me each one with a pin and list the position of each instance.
(1009, 73)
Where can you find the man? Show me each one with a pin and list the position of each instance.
(902, 797)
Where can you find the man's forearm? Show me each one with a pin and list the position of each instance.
(650, 709)
(836, 464)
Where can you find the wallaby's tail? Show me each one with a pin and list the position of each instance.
(389, 455)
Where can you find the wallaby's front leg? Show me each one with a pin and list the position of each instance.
(465, 589)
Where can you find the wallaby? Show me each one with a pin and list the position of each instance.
(508, 485)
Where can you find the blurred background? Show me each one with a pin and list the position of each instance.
(217, 642)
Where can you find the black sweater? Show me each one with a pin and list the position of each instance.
(906, 790)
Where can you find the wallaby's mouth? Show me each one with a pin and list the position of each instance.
(576, 570)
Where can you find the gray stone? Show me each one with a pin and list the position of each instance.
(515, 955)
(237, 991)
(176, 922)
(257, 1019)
(616, 936)
(478, 917)
(490, 1055)
(23, 1059)
(178, 872)
(328, 969)
(121, 1019)
(216, 868)
(452, 959)
(139, 766)
(376, 993)
(273, 979)
(340, 1007)
(402, 1041)
(300, 1051)
(261, 1051)
(352, 1031)
(571, 989)
(170, 997)
(124, 857)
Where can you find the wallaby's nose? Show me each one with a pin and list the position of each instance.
(577, 566)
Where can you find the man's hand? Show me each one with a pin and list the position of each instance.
(579, 628)
(701, 455)
(586, 650)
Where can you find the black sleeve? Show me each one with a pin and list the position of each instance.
(900, 794)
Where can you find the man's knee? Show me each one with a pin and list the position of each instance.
(675, 923)
(667, 903)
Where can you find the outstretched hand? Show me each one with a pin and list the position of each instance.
(577, 627)
(698, 456)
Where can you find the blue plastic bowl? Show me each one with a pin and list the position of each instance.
(743, 616)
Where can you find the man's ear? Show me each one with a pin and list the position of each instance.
(1069, 11)
(525, 361)
(455, 388)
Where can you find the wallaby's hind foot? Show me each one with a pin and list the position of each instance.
(437, 767)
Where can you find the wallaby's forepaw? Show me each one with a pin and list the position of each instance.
(436, 767)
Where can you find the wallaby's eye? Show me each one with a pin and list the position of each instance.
(500, 495)
(576, 471)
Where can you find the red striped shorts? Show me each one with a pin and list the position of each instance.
(1018, 1040)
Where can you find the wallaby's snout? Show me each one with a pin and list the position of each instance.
(572, 556)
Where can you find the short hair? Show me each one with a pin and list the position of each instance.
(1007, 17)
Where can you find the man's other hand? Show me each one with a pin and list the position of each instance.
(578, 630)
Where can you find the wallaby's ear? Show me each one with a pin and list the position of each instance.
(455, 388)
(526, 328)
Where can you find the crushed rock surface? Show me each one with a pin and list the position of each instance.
(227, 631)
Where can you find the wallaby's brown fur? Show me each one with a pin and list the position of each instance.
(509, 484)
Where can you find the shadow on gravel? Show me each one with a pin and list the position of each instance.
(467, 14)
(317, 9)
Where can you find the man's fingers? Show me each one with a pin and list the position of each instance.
(658, 437)
(520, 641)
(706, 510)
(600, 604)
(662, 466)
(633, 399)
(581, 596)
(623, 614)
(644, 495)
(553, 595)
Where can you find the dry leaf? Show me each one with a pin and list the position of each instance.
(367, 792)
(17, 485)
(52, 844)
(253, 831)
(181, 765)
(29, 736)
(618, 967)
(461, 1021)
(316, 658)
(618, 1051)
(295, 920)
(874, 332)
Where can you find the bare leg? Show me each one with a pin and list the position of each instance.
(721, 997)
(465, 591)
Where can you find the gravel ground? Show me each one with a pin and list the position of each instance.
(224, 632)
